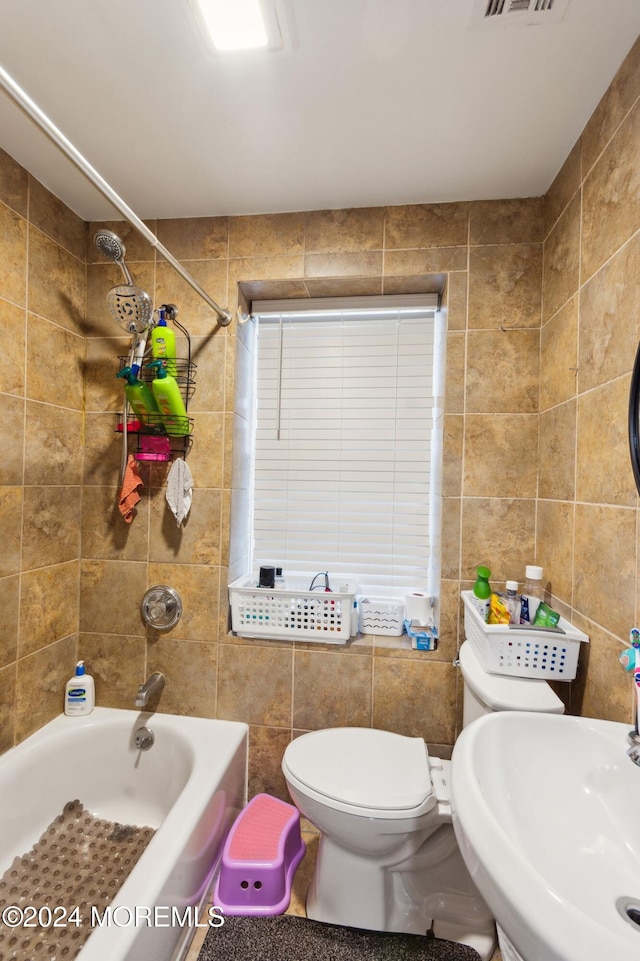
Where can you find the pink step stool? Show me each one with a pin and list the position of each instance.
(260, 858)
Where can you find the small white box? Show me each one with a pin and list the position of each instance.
(382, 617)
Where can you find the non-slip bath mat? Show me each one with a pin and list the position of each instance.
(49, 896)
(290, 938)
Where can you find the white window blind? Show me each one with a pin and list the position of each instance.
(348, 440)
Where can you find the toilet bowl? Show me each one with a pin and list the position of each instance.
(387, 858)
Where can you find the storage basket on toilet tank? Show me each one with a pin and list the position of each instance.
(523, 650)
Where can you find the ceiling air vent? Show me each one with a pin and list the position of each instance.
(523, 13)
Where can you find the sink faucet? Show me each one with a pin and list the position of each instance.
(630, 660)
(634, 754)
(152, 686)
(634, 751)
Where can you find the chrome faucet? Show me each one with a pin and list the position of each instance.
(634, 751)
(152, 686)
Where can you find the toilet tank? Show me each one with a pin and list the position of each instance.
(486, 693)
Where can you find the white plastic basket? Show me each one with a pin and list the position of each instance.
(522, 650)
(290, 613)
(382, 617)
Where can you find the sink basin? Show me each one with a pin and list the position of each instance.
(546, 810)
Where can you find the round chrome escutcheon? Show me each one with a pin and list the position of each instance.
(161, 607)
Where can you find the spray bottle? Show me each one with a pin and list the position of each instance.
(481, 593)
(169, 400)
(139, 395)
(163, 343)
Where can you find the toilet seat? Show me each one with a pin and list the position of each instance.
(363, 771)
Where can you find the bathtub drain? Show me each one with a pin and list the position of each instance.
(79, 862)
(629, 909)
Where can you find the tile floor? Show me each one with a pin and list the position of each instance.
(298, 893)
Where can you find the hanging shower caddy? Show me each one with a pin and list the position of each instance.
(162, 437)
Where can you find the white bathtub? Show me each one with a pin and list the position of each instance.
(189, 786)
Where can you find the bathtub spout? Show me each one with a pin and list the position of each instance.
(152, 687)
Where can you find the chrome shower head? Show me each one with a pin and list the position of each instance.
(111, 247)
(131, 307)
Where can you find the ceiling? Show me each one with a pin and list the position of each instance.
(371, 102)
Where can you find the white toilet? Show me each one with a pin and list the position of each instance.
(388, 859)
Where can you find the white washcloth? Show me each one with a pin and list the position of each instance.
(179, 490)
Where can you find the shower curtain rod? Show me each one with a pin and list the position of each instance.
(24, 101)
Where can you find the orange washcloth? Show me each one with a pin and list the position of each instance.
(129, 495)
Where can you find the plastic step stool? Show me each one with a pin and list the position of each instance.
(260, 858)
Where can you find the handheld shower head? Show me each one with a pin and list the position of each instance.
(131, 307)
(110, 246)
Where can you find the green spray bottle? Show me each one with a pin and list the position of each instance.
(481, 593)
(169, 400)
(139, 395)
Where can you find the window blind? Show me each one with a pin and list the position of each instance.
(347, 446)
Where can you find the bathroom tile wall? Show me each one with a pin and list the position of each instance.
(487, 259)
(42, 312)
(587, 511)
(524, 300)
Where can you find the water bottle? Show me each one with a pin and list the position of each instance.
(533, 591)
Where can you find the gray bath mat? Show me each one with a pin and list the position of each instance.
(289, 938)
(80, 859)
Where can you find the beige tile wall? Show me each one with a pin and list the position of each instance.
(42, 311)
(531, 292)
(587, 512)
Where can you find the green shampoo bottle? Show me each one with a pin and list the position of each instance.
(163, 344)
(169, 400)
(139, 395)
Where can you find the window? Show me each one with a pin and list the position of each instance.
(348, 441)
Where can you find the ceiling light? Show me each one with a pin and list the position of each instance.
(240, 24)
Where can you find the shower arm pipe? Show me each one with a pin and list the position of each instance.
(24, 101)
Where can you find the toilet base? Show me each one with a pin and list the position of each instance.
(387, 860)
(428, 890)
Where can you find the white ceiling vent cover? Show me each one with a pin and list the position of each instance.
(519, 13)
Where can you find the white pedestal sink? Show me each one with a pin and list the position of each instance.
(546, 810)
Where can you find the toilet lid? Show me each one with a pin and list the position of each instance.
(363, 767)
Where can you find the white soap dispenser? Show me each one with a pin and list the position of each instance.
(80, 695)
